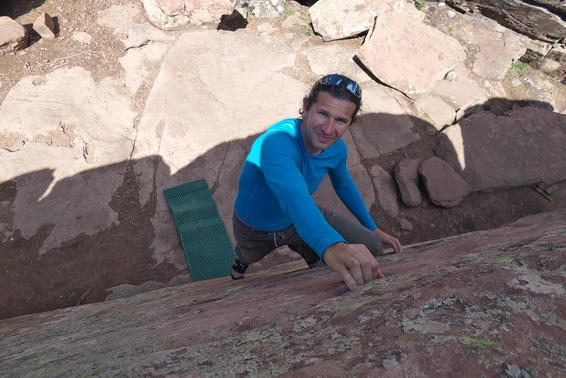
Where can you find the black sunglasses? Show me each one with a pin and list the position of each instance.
(351, 85)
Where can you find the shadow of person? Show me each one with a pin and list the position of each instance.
(66, 243)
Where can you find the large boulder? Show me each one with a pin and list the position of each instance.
(409, 56)
(523, 147)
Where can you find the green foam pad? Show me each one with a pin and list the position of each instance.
(206, 243)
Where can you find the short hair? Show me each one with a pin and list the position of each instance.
(342, 90)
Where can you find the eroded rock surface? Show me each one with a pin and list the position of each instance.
(483, 304)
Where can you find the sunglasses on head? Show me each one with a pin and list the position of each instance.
(351, 85)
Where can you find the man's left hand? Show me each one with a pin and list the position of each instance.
(390, 240)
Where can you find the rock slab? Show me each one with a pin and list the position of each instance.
(409, 56)
(520, 148)
(454, 307)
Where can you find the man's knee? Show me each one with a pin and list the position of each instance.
(374, 245)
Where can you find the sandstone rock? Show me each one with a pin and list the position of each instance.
(444, 186)
(409, 56)
(449, 293)
(461, 95)
(335, 19)
(336, 58)
(74, 137)
(520, 148)
(13, 36)
(179, 14)
(139, 63)
(204, 136)
(405, 225)
(383, 125)
(496, 48)
(386, 190)
(132, 34)
(326, 197)
(523, 16)
(407, 177)
(44, 26)
(438, 112)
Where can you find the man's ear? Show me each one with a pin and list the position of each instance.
(305, 105)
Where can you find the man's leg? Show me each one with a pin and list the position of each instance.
(252, 245)
(352, 231)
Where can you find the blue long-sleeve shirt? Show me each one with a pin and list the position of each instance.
(280, 175)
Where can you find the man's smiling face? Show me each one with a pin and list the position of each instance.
(325, 122)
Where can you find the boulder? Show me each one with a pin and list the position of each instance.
(13, 36)
(384, 125)
(335, 19)
(261, 8)
(444, 186)
(57, 146)
(519, 148)
(409, 56)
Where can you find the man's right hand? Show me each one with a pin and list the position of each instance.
(354, 262)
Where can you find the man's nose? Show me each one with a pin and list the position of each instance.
(328, 126)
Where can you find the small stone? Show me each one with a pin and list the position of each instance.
(452, 76)
(406, 225)
(44, 26)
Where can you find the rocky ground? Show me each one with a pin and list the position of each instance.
(81, 41)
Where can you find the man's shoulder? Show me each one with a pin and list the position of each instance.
(289, 126)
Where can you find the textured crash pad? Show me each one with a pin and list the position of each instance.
(206, 243)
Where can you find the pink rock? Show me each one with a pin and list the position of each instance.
(444, 186)
(457, 307)
(13, 36)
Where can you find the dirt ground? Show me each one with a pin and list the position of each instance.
(121, 255)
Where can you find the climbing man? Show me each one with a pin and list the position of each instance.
(284, 168)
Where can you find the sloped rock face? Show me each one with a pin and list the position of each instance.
(488, 303)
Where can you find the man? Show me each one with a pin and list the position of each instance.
(285, 166)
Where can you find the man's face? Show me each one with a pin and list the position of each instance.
(325, 122)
